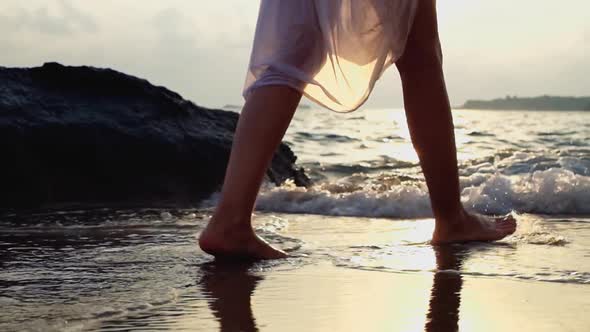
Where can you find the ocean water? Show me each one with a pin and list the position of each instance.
(367, 210)
(364, 165)
(533, 164)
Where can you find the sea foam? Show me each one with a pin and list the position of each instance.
(551, 191)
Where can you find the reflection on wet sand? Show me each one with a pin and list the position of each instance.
(140, 272)
(229, 287)
(445, 296)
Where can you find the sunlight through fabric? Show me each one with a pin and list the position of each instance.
(332, 51)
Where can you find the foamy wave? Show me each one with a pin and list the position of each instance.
(403, 201)
(552, 191)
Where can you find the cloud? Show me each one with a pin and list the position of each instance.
(78, 18)
(185, 56)
(58, 18)
(201, 48)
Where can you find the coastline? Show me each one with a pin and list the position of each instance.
(540, 103)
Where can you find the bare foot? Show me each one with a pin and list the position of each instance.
(226, 242)
(471, 228)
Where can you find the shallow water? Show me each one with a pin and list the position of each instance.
(133, 269)
(364, 164)
(127, 269)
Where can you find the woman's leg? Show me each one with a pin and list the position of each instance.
(431, 127)
(262, 124)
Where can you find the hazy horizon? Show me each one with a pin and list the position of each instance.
(201, 50)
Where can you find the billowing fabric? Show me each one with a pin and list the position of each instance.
(333, 51)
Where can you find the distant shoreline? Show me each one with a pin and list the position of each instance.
(541, 103)
(233, 107)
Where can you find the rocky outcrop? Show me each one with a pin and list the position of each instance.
(83, 136)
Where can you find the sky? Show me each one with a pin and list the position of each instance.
(201, 49)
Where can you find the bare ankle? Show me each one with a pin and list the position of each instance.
(227, 220)
(451, 222)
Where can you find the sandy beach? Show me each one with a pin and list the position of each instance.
(322, 297)
(326, 298)
(345, 274)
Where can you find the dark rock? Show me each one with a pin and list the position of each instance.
(83, 136)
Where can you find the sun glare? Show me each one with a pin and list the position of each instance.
(349, 89)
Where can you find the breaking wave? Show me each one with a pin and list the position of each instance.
(551, 191)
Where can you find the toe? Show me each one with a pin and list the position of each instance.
(506, 225)
(507, 221)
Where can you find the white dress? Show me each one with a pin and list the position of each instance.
(333, 51)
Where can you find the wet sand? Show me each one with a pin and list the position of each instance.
(327, 298)
(322, 296)
(346, 274)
